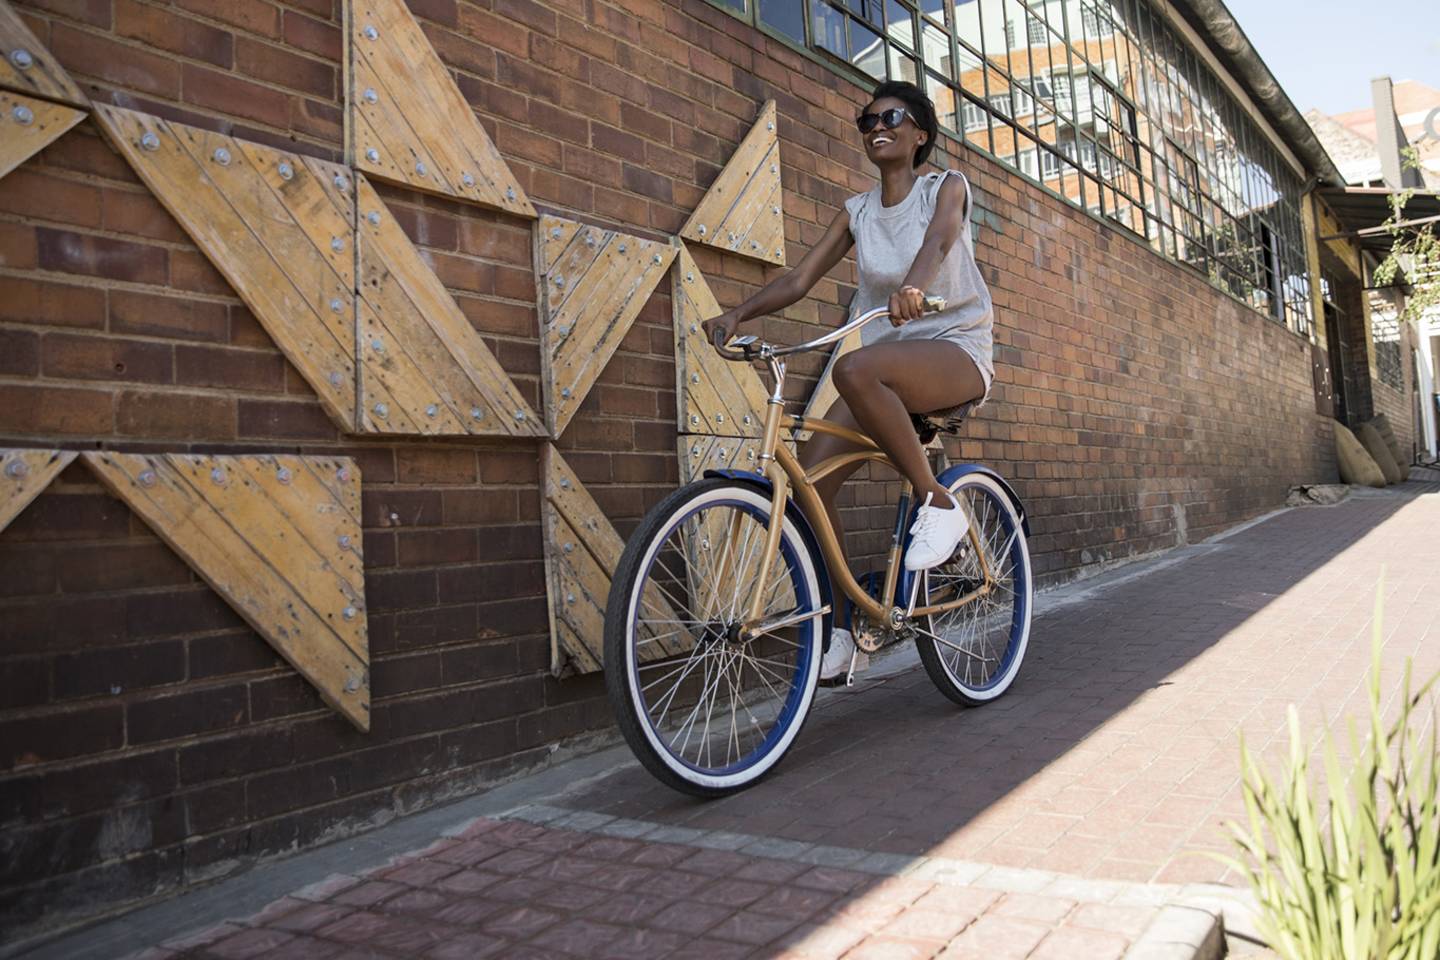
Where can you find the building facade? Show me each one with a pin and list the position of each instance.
(1142, 218)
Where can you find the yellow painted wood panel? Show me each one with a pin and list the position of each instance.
(279, 538)
(593, 284)
(27, 67)
(270, 223)
(29, 125)
(714, 395)
(743, 211)
(700, 453)
(424, 368)
(407, 121)
(582, 549)
(23, 474)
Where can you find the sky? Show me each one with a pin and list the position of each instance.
(1325, 52)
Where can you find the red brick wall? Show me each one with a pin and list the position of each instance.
(150, 739)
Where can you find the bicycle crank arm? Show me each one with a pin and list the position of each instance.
(780, 622)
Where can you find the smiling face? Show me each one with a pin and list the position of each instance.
(885, 147)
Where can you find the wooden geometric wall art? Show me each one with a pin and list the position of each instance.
(278, 226)
(27, 67)
(23, 474)
(279, 538)
(742, 211)
(406, 121)
(698, 453)
(29, 125)
(581, 551)
(592, 283)
(714, 395)
(424, 369)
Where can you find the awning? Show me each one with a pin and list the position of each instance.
(1362, 211)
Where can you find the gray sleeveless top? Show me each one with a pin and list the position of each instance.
(886, 242)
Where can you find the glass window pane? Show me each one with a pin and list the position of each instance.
(867, 50)
(900, 24)
(829, 26)
(786, 16)
(934, 9)
(935, 49)
(902, 66)
(944, 96)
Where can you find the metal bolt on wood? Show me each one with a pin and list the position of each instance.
(702, 229)
(569, 548)
(285, 170)
(382, 411)
(556, 233)
(559, 281)
(565, 392)
(689, 277)
(657, 258)
(432, 411)
(694, 378)
(150, 142)
(476, 413)
(21, 58)
(344, 541)
(622, 248)
(22, 116)
(377, 345)
(467, 180)
(509, 193)
(352, 685)
(16, 469)
(519, 415)
(719, 418)
(343, 475)
(341, 183)
(284, 475)
(373, 217)
(371, 33)
(372, 155)
(222, 156)
(747, 419)
(336, 305)
(694, 419)
(217, 475)
(569, 598)
(370, 95)
(348, 613)
(421, 170)
(147, 478)
(335, 379)
(564, 483)
(337, 244)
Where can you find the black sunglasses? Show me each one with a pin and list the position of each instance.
(891, 118)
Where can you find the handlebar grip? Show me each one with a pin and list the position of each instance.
(934, 304)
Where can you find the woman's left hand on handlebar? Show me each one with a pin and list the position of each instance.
(906, 304)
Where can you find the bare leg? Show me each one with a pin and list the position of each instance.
(820, 447)
(884, 383)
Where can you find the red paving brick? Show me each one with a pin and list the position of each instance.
(1112, 759)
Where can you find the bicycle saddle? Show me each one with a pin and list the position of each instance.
(927, 425)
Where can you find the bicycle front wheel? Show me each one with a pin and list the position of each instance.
(707, 710)
(973, 652)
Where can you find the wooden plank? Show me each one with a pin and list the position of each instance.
(743, 211)
(696, 454)
(27, 67)
(593, 284)
(432, 140)
(29, 125)
(714, 395)
(581, 550)
(418, 352)
(23, 474)
(266, 234)
(271, 537)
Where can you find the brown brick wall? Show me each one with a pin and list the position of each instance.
(151, 739)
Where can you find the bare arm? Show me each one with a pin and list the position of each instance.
(792, 285)
(907, 303)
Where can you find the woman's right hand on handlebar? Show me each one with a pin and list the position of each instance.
(721, 328)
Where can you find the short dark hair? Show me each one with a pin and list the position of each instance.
(920, 107)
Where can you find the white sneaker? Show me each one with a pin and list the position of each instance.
(837, 659)
(935, 534)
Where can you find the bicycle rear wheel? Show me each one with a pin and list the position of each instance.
(706, 711)
(973, 653)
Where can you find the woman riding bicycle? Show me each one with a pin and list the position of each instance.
(911, 235)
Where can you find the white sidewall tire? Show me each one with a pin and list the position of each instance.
(1002, 497)
(806, 563)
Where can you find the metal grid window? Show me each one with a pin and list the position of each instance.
(1385, 333)
(1099, 101)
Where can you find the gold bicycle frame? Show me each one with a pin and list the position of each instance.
(787, 476)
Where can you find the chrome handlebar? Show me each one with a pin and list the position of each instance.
(749, 347)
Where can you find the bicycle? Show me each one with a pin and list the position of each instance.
(721, 602)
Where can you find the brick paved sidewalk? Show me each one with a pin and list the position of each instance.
(515, 889)
(1056, 822)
